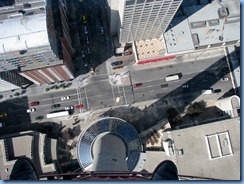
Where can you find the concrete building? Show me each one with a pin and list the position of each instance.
(196, 27)
(135, 20)
(36, 146)
(35, 44)
(209, 150)
(230, 105)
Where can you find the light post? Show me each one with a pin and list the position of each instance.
(87, 104)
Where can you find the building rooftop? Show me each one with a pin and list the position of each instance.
(210, 150)
(149, 48)
(203, 26)
(23, 33)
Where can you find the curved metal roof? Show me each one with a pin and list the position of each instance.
(115, 126)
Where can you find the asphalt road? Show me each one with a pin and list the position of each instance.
(99, 93)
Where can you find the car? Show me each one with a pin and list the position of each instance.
(164, 85)
(34, 103)
(84, 19)
(55, 106)
(3, 115)
(225, 79)
(69, 108)
(31, 110)
(116, 63)
(79, 106)
(39, 118)
(85, 30)
(185, 86)
(217, 91)
(2, 124)
(103, 116)
(127, 53)
(65, 98)
(87, 39)
(102, 30)
(82, 53)
(88, 50)
(117, 67)
(137, 85)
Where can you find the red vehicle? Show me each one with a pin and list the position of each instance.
(137, 85)
(79, 106)
(34, 103)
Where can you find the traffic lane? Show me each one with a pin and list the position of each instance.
(98, 87)
(55, 94)
(184, 68)
(99, 101)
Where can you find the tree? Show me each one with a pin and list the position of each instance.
(47, 89)
(196, 108)
(173, 116)
(16, 94)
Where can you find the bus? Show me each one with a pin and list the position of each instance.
(58, 114)
(172, 77)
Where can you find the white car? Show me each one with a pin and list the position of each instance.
(69, 108)
(64, 98)
(82, 53)
(225, 79)
(85, 30)
(31, 110)
(102, 30)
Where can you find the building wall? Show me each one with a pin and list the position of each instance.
(146, 19)
(48, 75)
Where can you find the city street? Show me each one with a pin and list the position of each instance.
(99, 93)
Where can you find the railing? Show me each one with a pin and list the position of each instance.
(92, 175)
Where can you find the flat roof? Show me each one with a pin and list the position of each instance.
(23, 33)
(210, 150)
(18, 143)
(203, 26)
(150, 48)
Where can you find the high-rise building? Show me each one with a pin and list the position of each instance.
(33, 43)
(135, 20)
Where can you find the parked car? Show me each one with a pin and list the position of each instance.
(217, 91)
(225, 79)
(117, 67)
(39, 118)
(69, 108)
(116, 63)
(55, 106)
(65, 98)
(79, 106)
(88, 50)
(137, 85)
(34, 103)
(31, 110)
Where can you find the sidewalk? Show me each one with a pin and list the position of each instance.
(33, 90)
(118, 77)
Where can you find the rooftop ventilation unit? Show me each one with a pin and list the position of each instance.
(223, 12)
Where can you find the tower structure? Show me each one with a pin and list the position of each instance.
(110, 144)
(135, 20)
